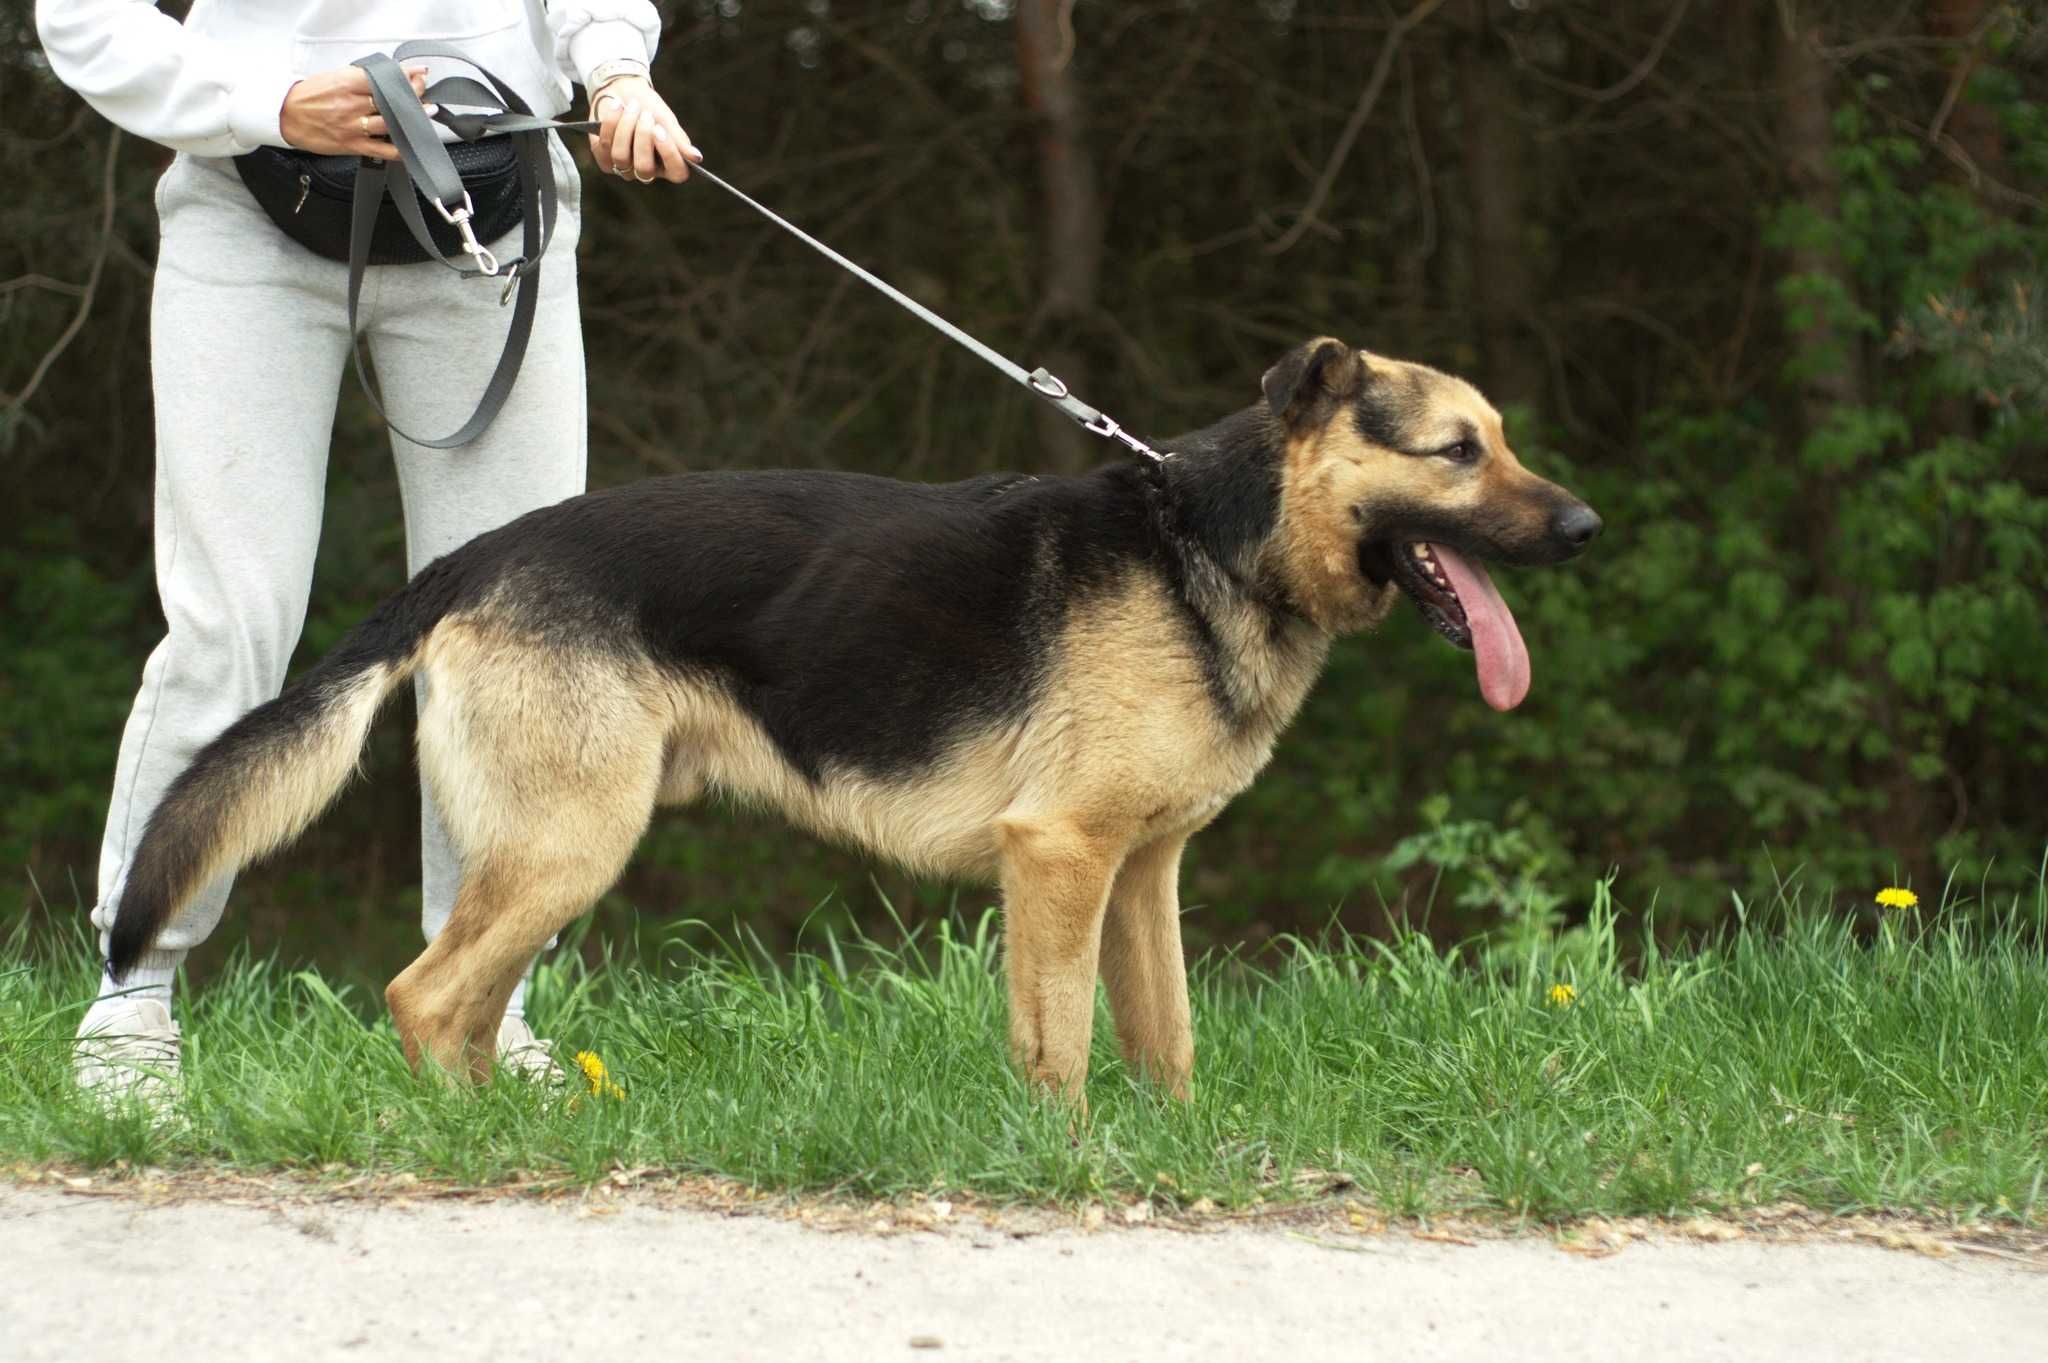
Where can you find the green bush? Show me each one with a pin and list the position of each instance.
(71, 667)
(1834, 647)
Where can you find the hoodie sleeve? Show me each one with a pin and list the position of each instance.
(589, 33)
(151, 76)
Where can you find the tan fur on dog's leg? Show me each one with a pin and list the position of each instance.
(1056, 880)
(1143, 967)
(545, 765)
(426, 1029)
(434, 1025)
(449, 1002)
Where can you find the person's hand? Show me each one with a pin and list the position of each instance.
(638, 136)
(332, 114)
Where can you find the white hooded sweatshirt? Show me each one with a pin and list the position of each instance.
(213, 85)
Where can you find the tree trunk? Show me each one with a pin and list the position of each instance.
(1418, 268)
(1804, 140)
(1070, 223)
(1964, 124)
(1974, 130)
(1831, 374)
(1496, 155)
(1973, 127)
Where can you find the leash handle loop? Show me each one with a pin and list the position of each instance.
(424, 159)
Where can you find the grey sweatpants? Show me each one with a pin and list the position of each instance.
(248, 347)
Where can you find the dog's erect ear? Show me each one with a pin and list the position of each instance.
(1305, 387)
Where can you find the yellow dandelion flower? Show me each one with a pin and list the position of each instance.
(1563, 996)
(595, 1074)
(1896, 898)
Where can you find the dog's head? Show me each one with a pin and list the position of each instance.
(1397, 478)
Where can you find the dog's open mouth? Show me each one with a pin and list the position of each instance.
(1457, 597)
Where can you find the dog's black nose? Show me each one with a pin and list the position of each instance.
(1576, 525)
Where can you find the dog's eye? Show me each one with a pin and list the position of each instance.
(1461, 452)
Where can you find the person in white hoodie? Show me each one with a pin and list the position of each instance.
(248, 341)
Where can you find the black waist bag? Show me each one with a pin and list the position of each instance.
(441, 202)
(311, 198)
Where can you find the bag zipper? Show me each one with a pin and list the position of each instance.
(305, 188)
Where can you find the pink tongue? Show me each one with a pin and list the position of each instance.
(1497, 647)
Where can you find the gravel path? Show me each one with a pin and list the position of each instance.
(110, 1278)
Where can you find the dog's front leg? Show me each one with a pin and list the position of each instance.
(1144, 969)
(1056, 879)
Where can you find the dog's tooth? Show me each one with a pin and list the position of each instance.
(1420, 550)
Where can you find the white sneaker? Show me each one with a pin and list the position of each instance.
(525, 1054)
(127, 1048)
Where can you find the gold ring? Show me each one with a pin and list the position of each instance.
(364, 124)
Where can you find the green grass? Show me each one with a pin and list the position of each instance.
(1795, 1060)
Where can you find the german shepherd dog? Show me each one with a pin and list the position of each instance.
(1046, 682)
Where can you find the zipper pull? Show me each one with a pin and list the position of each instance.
(305, 188)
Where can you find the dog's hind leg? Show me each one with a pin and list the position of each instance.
(448, 1003)
(545, 766)
(1143, 968)
(1056, 878)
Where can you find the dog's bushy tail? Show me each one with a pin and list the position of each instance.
(270, 774)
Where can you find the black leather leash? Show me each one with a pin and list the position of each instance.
(424, 161)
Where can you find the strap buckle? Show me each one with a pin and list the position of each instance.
(458, 218)
(1050, 384)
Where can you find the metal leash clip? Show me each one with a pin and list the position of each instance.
(1109, 430)
(486, 263)
(1048, 384)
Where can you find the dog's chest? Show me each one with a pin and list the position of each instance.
(1144, 720)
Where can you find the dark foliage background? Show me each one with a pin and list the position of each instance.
(1759, 277)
